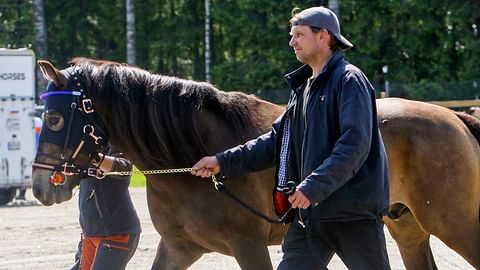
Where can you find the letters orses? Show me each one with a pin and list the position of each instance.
(12, 76)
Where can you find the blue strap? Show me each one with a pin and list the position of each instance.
(51, 93)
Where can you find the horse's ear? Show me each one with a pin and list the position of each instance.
(51, 73)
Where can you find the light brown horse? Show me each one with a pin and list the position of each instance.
(163, 122)
(434, 168)
(475, 111)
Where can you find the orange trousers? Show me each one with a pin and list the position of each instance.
(110, 252)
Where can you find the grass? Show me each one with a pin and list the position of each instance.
(138, 180)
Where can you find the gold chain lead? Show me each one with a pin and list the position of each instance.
(164, 171)
(145, 172)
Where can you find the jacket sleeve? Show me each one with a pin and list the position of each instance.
(355, 110)
(120, 163)
(254, 155)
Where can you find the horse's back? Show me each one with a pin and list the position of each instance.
(419, 124)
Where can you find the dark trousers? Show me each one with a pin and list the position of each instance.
(105, 253)
(360, 244)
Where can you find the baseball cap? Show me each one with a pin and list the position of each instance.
(321, 17)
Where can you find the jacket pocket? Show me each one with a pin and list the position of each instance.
(113, 246)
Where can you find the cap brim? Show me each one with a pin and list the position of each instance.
(345, 43)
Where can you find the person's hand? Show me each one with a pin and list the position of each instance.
(298, 200)
(206, 167)
(106, 162)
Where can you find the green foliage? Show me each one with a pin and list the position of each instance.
(85, 28)
(421, 41)
(170, 37)
(251, 38)
(15, 23)
(428, 45)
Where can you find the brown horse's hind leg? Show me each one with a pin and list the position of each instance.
(252, 256)
(465, 240)
(412, 241)
(176, 256)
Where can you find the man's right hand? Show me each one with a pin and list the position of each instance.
(206, 167)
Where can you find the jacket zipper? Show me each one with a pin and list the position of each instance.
(110, 246)
(303, 145)
(309, 84)
(300, 220)
(92, 194)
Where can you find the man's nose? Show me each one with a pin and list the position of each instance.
(290, 43)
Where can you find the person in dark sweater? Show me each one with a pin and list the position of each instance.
(110, 224)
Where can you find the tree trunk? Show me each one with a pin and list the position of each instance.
(41, 46)
(207, 41)
(335, 6)
(130, 11)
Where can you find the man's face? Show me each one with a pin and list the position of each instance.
(304, 42)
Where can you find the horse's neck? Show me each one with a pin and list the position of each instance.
(143, 129)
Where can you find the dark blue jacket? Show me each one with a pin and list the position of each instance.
(106, 208)
(344, 165)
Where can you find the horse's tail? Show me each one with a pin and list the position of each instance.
(472, 123)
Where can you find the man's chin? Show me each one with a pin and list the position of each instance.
(300, 58)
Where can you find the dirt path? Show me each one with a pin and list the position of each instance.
(39, 237)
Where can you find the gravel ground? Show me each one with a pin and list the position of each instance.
(33, 236)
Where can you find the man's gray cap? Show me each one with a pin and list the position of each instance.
(322, 17)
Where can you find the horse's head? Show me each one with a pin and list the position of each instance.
(72, 135)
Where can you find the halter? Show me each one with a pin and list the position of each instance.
(83, 105)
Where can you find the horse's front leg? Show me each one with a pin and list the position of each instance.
(251, 255)
(176, 255)
(412, 241)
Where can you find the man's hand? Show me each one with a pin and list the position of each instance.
(298, 200)
(206, 167)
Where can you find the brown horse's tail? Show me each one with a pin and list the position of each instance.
(472, 123)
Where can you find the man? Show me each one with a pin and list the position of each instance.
(328, 142)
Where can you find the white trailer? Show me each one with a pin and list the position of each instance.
(17, 111)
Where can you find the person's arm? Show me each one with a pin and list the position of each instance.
(113, 163)
(254, 155)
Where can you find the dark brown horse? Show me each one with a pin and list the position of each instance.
(162, 122)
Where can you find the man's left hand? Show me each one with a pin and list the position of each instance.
(298, 200)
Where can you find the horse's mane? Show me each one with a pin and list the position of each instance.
(162, 117)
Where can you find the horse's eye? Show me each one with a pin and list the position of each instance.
(53, 120)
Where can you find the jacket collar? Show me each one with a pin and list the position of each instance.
(299, 76)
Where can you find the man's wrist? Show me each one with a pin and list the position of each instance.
(98, 160)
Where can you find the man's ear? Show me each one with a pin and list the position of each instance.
(51, 73)
(323, 34)
(325, 38)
